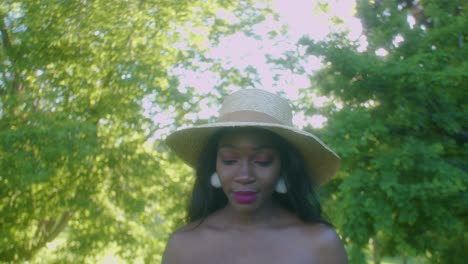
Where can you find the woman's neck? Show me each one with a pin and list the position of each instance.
(264, 216)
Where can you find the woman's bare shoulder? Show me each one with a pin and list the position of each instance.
(325, 242)
(180, 239)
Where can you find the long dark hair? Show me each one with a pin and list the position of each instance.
(300, 199)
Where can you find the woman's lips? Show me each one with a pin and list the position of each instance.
(244, 196)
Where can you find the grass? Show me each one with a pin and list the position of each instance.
(398, 260)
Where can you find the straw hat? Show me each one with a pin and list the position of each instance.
(258, 108)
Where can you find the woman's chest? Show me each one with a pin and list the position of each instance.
(251, 248)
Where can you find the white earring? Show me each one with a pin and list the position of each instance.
(214, 180)
(281, 186)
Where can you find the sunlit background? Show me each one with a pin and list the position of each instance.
(299, 19)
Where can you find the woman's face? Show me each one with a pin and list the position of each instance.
(248, 166)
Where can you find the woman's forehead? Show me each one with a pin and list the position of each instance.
(247, 137)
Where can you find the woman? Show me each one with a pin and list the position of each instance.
(253, 198)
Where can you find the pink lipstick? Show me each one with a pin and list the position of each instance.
(245, 196)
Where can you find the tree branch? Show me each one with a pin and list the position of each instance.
(5, 37)
(49, 235)
(8, 47)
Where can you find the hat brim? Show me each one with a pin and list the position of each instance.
(321, 162)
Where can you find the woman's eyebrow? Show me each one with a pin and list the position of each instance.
(227, 146)
(262, 147)
(259, 147)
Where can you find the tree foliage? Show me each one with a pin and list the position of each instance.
(76, 161)
(399, 122)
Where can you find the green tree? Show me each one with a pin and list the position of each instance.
(399, 122)
(79, 80)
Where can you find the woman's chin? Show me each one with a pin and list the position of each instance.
(247, 207)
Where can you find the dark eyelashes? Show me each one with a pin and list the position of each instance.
(228, 162)
(261, 163)
(264, 163)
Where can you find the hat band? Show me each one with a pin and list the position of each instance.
(249, 116)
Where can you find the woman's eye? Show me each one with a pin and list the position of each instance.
(264, 163)
(229, 162)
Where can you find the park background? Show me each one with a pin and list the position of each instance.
(90, 89)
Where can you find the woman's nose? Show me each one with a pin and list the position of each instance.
(244, 175)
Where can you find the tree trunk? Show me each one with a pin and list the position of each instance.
(375, 251)
(404, 260)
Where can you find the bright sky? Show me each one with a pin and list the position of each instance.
(301, 19)
(240, 51)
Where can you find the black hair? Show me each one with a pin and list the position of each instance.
(300, 199)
